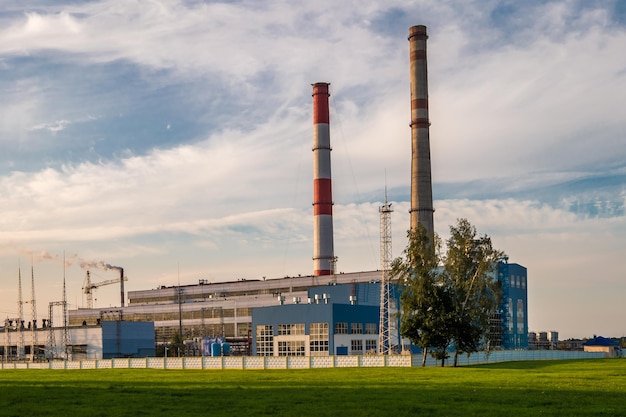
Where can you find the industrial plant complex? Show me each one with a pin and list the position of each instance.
(322, 314)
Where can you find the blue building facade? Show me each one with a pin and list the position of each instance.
(514, 305)
(344, 319)
(127, 339)
(334, 320)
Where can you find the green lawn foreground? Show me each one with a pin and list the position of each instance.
(551, 388)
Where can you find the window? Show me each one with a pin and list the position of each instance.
(523, 282)
(370, 328)
(341, 328)
(509, 315)
(287, 329)
(77, 349)
(356, 328)
(291, 348)
(370, 346)
(357, 347)
(520, 317)
(318, 339)
(265, 340)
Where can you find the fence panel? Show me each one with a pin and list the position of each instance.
(104, 364)
(322, 361)
(276, 362)
(232, 362)
(174, 363)
(155, 363)
(192, 362)
(210, 362)
(120, 363)
(346, 361)
(298, 362)
(372, 360)
(254, 362)
(138, 363)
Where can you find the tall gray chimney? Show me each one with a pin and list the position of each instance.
(421, 183)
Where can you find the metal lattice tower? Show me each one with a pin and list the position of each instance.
(66, 330)
(385, 324)
(66, 333)
(20, 318)
(33, 305)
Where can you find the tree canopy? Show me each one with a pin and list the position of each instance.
(447, 299)
(426, 306)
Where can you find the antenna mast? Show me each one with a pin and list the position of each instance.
(384, 331)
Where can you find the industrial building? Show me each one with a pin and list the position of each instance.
(225, 309)
(320, 314)
(247, 312)
(514, 305)
(341, 321)
(101, 340)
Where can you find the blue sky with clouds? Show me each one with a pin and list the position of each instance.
(173, 138)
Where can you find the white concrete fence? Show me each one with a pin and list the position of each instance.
(298, 362)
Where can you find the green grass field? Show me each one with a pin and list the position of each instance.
(552, 388)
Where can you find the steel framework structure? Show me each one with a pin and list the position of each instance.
(385, 343)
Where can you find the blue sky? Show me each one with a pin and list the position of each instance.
(173, 138)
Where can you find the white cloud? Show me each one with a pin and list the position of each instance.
(53, 128)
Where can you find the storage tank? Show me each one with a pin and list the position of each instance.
(216, 349)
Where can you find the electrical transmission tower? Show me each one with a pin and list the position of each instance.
(385, 324)
(65, 329)
(33, 304)
(20, 319)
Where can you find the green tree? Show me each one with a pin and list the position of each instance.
(470, 270)
(426, 305)
(448, 299)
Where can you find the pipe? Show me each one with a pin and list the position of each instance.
(122, 286)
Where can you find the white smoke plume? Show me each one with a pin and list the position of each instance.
(67, 260)
(99, 265)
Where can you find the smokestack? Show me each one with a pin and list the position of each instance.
(421, 183)
(323, 252)
(122, 286)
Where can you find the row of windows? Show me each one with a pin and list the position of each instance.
(265, 340)
(322, 329)
(319, 331)
(288, 329)
(200, 314)
(355, 328)
(291, 348)
(166, 333)
(356, 346)
(520, 316)
(318, 339)
(518, 281)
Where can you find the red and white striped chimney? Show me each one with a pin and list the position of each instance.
(323, 251)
